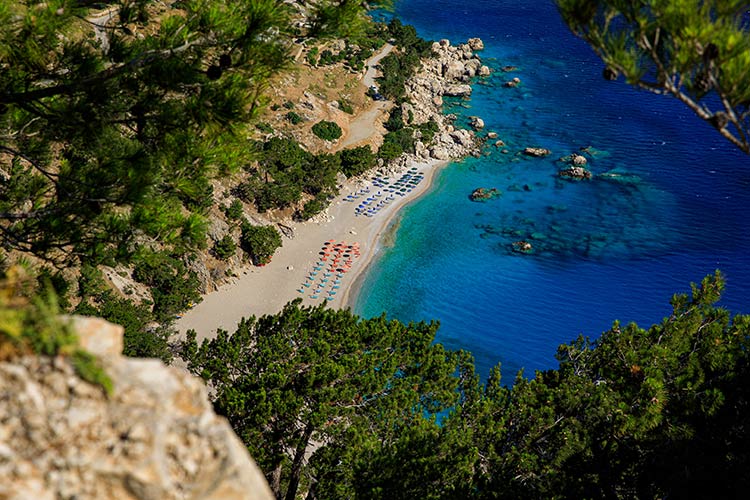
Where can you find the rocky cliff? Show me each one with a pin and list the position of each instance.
(155, 436)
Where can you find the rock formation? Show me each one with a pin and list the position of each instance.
(522, 246)
(484, 194)
(536, 152)
(576, 173)
(154, 437)
(446, 73)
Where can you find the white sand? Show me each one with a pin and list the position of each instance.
(265, 290)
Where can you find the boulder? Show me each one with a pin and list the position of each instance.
(457, 90)
(515, 82)
(453, 70)
(509, 68)
(483, 71)
(475, 44)
(579, 160)
(476, 123)
(536, 152)
(575, 173)
(491, 135)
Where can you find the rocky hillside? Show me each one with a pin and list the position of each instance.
(155, 436)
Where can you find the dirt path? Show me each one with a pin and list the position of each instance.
(368, 123)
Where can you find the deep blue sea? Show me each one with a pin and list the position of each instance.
(604, 250)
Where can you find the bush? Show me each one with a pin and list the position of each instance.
(314, 207)
(235, 210)
(312, 56)
(346, 106)
(225, 247)
(328, 131)
(428, 130)
(173, 287)
(396, 143)
(289, 105)
(260, 242)
(264, 127)
(293, 118)
(139, 339)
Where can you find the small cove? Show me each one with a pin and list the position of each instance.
(670, 208)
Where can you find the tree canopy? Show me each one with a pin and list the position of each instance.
(114, 119)
(695, 50)
(333, 406)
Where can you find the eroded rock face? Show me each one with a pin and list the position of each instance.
(155, 437)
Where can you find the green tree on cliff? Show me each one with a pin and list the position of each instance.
(695, 50)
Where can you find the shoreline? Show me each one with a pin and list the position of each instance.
(325, 259)
(266, 290)
(350, 295)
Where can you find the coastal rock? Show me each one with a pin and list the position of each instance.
(457, 90)
(476, 123)
(536, 152)
(522, 246)
(500, 143)
(484, 194)
(509, 68)
(579, 160)
(491, 135)
(576, 173)
(155, 436)
(475, 44)
(453, 69)
(515, 82)
(483, 71)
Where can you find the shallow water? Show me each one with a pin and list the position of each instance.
(612, 248)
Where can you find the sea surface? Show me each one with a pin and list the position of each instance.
(617, 248)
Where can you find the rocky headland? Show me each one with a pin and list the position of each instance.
(446, 74)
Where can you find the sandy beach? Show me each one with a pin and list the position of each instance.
(265, 290)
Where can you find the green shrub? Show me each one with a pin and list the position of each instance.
(293, 118)
(312, 56)
(235, 210)
(314, 207)
(428, 130)
(173, 287)
(346, 106)
(397, 142)
(225, 247)
(260, 242)
(328, 131)
(264, 127)
(289, 105)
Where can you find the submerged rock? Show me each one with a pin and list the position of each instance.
(515, 82)
(537, 152)
(522, 246)
(484, 194)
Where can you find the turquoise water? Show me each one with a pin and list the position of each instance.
(603, 250)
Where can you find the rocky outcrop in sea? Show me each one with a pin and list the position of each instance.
(155, 436)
